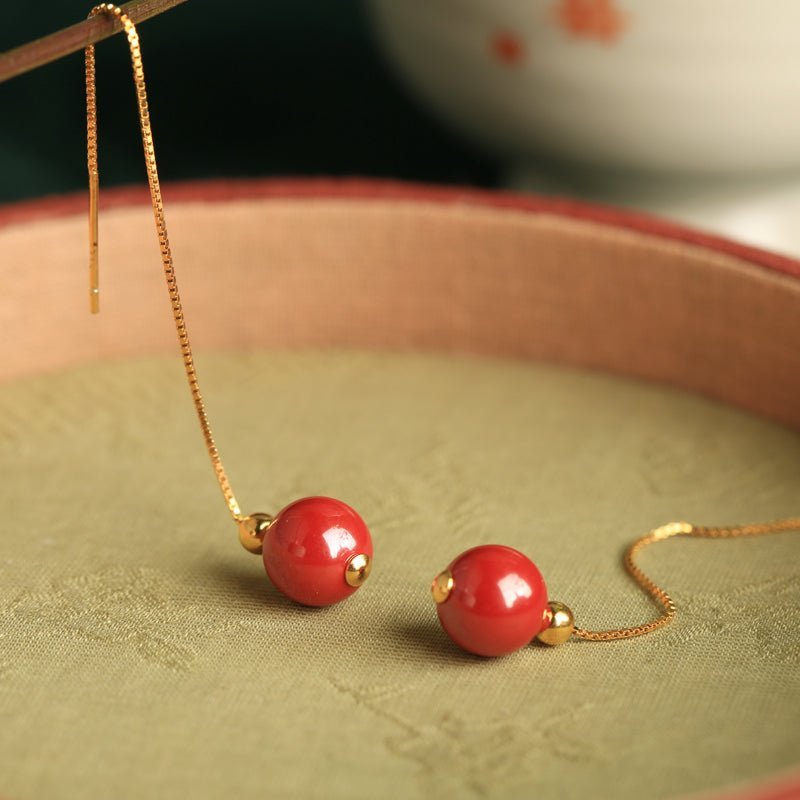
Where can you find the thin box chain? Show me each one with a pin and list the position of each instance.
(161, 229)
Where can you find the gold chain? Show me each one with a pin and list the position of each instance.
(161, 229)
(649, 586)
(659, 596)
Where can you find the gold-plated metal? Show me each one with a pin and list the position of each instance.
(442, 585)
(251, 532)
(161, 228)
(562, 624)
(94, 265)
(94, 185)
(659, 596)
(357, 570)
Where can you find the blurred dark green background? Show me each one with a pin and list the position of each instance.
(281, 87)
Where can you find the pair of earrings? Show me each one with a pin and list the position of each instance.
(491, 600)
(317, 550)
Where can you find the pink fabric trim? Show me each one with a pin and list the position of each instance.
(360, 189)
(785, 786)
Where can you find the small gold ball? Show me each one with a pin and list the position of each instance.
(252, 530)
(562, 624)
(357, 570)
(442, 585)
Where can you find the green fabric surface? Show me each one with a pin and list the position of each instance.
(143, 652)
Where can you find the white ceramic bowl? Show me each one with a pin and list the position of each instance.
(689, 86)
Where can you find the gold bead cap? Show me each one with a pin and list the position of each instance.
(442, 586)
(357, 570)
(562, 624)
(251, 532)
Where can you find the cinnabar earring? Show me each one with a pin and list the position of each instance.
(492, 600)
(317, 550)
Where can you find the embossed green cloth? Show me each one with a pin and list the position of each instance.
(144, 654)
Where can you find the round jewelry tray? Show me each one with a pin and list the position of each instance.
(142, 654)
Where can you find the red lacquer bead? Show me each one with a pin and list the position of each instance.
(495, 600)
(308, 546)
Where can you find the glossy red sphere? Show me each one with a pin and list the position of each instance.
(307, 547)
(498, 602)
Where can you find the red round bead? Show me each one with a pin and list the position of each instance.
(307, 547)
(498, 601)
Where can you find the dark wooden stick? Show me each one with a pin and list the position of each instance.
(76, 37)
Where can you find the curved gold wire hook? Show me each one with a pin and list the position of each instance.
(91, 162)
